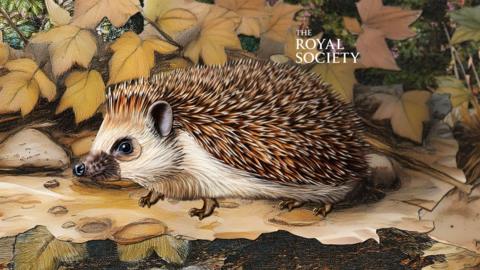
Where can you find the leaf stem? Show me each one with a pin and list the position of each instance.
(454, 54)
(474, 68)
(13, 25)
(162, 33)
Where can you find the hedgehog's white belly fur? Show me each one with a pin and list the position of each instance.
(212, 179)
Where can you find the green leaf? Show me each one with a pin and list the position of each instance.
(468, 19)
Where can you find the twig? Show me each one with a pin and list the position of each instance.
(454, 53)
(474, 71)
(162, 33)
(12, 24)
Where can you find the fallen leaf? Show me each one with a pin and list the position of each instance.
(133, 57)
(82, 146)
(459, 93)
(176, 20)
(252, 12)
(468, 24)
(21, 87)
(380, 22)
(4, 53)
(281, 20)
(84, 94)
(58, 16)
(340, 76)
(217, 33)
(352, 25)
(88, 13)
(407, 113)
(68, 45)
(291, 50)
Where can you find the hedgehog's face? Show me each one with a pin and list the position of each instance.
(139, 150)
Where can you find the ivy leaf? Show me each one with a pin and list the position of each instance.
(133, 57)
(459, 93)
(252, 12)
(84, 94)
(281, 20)
(69, 45)
(88, 13)
(407, 112)
(58, 16)
(340, 76)
(217, 33)
(468, 19)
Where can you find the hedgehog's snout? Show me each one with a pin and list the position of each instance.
(98, 166)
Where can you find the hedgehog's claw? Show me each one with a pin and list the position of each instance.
(150, 199)
(207, 209)
(290, 204)
(323, 210)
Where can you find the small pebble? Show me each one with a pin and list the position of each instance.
(51, 184)
(58, 210)
(68, 224)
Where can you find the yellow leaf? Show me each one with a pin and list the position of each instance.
(85, 93)
(69, 45)
(133, 57)
(58, 16)
(217, 33)
(459, 93)
(19, 92)
(4, 53)
(352, 25)
(281, 20)
(406, 113)
(291, 50)
(155, 9)
(82, 146)
(88, 13)
(252, 12)
(25, 65)
(176, 20)
(340, 76)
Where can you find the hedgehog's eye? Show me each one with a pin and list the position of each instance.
(124, 147)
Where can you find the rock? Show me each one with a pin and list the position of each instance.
(32, 148)
(94, 225)
(58, 210)
(51, 184)
(383, 174)
(68, 225)
(139, 231)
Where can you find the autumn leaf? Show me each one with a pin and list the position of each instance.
(88, 13)
(58, 16)
(291, 50)
(380, 22)
(252, 12)
(176, 20)
(84, 94)
(459, 93)
(352, 25)
(407, 113)
(217, 33)
(21, 87)
(281, 20)
(4, 52)
(340, 76)
(468, 24)
(69, 45)
(133, 57)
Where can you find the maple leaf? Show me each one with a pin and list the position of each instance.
(58, 16)
(281, 20)
(380, 22)
(217, 33)
(84, 94)
(69, 45)
(21, 87)
(134, 57)
(469, 24)
(407, 112)
(252, 12)
(459, 93)
(88, 13)
(341, 76)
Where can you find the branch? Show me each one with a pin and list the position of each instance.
(13, 25)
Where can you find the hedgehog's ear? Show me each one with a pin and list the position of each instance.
(162, 116)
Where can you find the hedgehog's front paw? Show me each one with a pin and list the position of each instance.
(207, 209)
(150, 199)
(290, 204)
(323, 210)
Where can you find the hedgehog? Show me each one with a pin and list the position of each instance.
(247, 129)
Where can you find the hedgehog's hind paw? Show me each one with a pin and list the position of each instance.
(207, 209)
(323, 210)
(150, 199)
(290, 204)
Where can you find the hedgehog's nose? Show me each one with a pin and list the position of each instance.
(79, 169)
